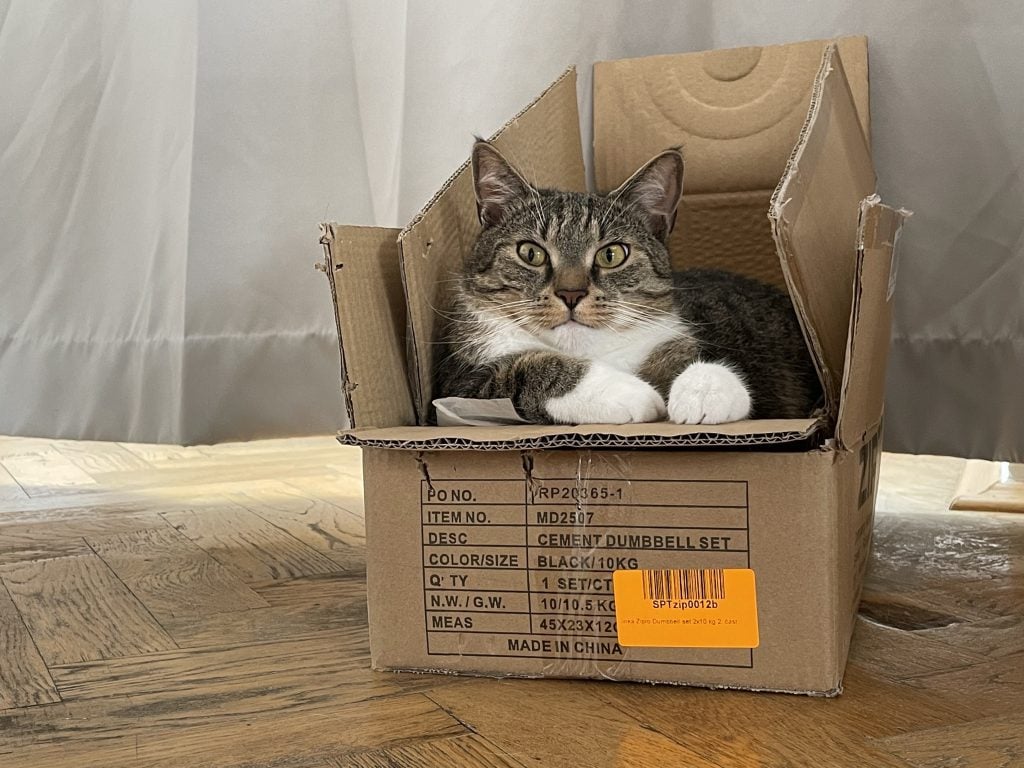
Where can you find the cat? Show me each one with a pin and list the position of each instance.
(567, 304)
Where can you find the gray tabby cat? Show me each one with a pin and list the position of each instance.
(568, 305)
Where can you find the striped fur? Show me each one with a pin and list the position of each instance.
(520, 331)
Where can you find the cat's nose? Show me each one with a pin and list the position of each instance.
(571, 298)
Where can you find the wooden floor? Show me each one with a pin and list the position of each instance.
(166, 606)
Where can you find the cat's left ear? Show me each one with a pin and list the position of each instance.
(655, 190)
(497, 184)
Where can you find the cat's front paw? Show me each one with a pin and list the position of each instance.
(607, 396)
(708, 393)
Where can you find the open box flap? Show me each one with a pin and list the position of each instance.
(814, 219)
(736, 114)
(660, 435)
(867, 345)
(543, 143)
(827, 175)
(362, 267)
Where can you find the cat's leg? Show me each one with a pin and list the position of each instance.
(547, 387)
(708, 393)
(606, 395)
(697, 392)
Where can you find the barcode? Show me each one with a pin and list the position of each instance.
(684, 584)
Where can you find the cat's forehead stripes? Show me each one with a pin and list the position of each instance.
(571, 229)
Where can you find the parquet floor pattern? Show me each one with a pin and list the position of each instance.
(186, 607)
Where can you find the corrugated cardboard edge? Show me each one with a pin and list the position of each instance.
(597, 438)
(363, 273)
(775, 214)
(885, 224)
(328, 266)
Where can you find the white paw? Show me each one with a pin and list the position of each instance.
(708, 393)
(607, 396)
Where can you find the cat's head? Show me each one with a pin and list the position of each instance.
(559, 264)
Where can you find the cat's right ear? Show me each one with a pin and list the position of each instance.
(497, 184)
(655, 191)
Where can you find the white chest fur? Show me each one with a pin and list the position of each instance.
(625, 350)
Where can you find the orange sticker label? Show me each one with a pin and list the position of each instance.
(686, 608)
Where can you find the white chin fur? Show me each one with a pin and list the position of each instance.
(607, 396)
(708, 393)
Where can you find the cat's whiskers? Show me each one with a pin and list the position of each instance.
(643, 307)
(632, 324)
(464, 320)
(449, 317)
(639, 310)
(671, 316)
(469, 316)
(631, 319)
(535, 199)
(491, 334)
(651, 324)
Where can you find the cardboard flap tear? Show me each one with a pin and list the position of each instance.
(867, 345)
(530, 437)
(369, 306)
(814, 219)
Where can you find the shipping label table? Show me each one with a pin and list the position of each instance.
(524, 567)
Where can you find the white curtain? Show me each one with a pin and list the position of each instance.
(163, 167)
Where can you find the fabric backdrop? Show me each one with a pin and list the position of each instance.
(163, 167)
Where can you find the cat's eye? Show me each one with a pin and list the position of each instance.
(532, 253)
(611, 256)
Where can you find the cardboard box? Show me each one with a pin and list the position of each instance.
(500, 550)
